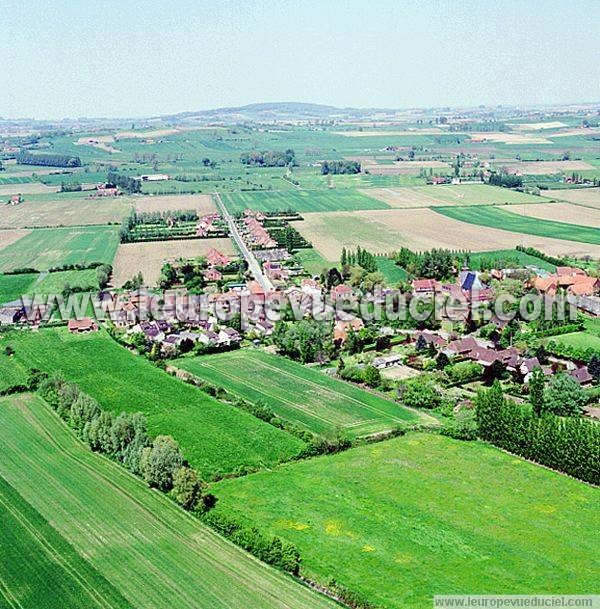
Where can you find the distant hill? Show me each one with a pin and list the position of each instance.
(273, 111)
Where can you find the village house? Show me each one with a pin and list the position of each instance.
(387, 361)
(212, 275)
(582, 376)
(425, 287)
(11, 314)
(215, 258)
(343, 328)
(82, 326)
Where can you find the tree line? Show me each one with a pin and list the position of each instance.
(269, 158)
(48, 160)
(360, 257)
(567, 444)
(125, 438)
(340, 167)
(125, 183)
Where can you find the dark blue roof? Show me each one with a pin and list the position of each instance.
(469, 281)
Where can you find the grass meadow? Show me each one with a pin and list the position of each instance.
(423, 514)
(113, 543)
(299, 394)
(302, 201)
(49, 247)
(499, 218)
(215, 438)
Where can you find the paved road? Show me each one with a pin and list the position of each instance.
(253, 264)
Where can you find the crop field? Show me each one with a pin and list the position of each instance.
(450, 194)
(39, 568)
(148, 257)
(14, 286)
(301, 200)
(8, 237)
(543, 167)
(383, 232)
(203, 204)
(390, 270)
(44, 248)
(62, 210)
(424, 514)
(26, 189)
(128, 547)
(589, 197)
(299, 394)
(561, 212)
(312, 261)
(214, 437)
(499, 218)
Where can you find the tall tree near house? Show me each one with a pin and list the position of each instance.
(536, 391)
(594, 366)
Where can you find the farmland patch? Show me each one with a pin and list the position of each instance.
(148, 257)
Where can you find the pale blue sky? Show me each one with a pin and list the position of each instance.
(107, 58)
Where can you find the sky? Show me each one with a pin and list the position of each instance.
(73, 58)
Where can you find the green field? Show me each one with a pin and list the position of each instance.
(44, 248)
(301, 201)
(423, 514)
(478, 194)
(39, 568)
(13, 286)
(79, 531)
(578, 340)
(299, 394)
(312, 261)
(214, 437)
(390, 270)
(499, 218)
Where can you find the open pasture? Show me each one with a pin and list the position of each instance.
(423, 514)
(203, 204)
(383, 232)
(299, 394)
(451, 194)
(213, 437)
(560, 212)
(44, 248)
(496, 217)
(112, 543)
(64, 209)
(147, 257)
(303, 201)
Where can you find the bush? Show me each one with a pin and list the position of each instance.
(419, 393)
(269, 549)
(462, 427)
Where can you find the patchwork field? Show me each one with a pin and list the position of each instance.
(403, 167)
(301, 200)
(149, 256)
(560, 212)
(60, 210)
(128, 547)
(384, 232)
(459, 194)
(495, 217)
(299, 394)
(204, 204)
(423, 514)
(214, 437)
(44, 248)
